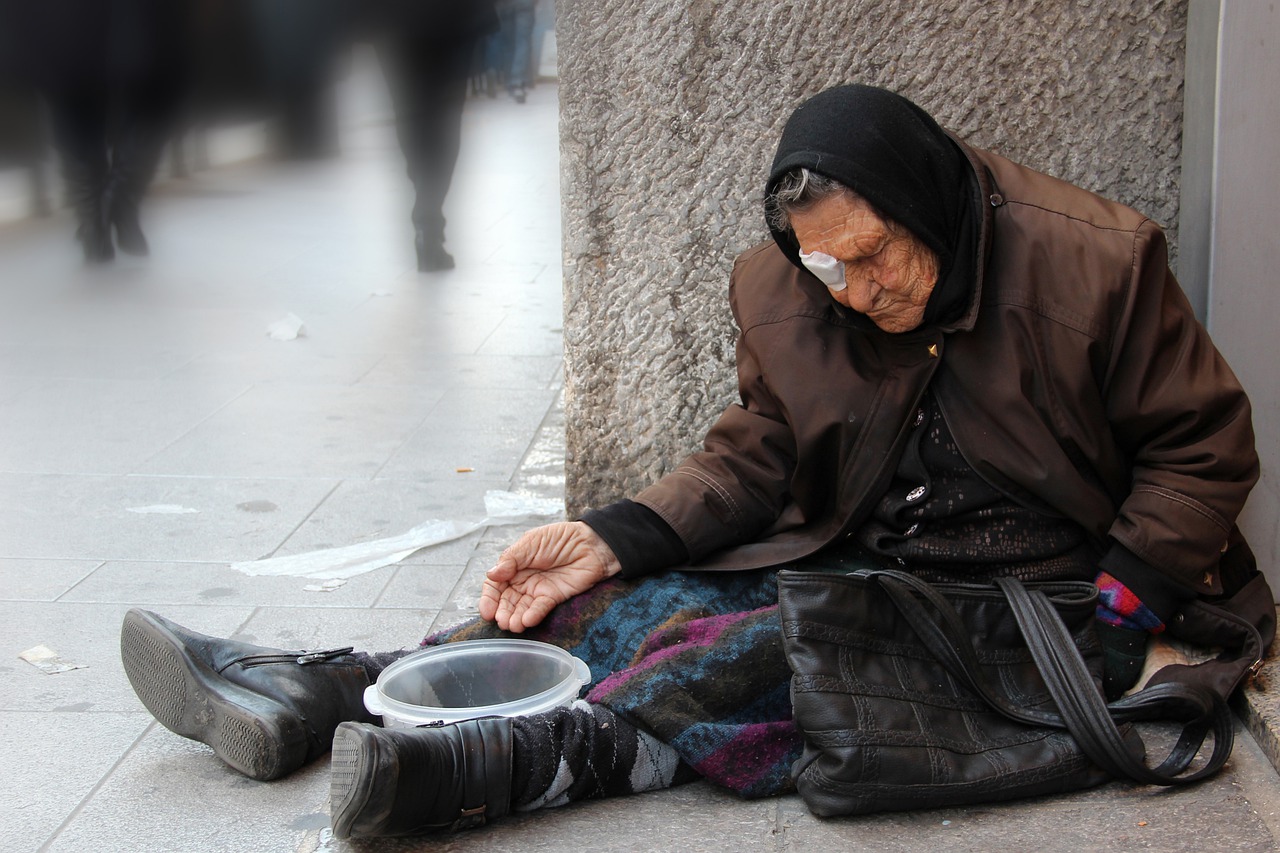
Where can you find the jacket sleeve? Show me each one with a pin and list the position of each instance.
(642, 542)
(1182, 418)
(733, 489)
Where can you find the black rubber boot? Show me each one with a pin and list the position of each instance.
(389, 782)
(266, 712)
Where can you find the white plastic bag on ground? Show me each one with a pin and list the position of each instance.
(351, 560)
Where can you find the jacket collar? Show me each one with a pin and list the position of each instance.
(985, 200)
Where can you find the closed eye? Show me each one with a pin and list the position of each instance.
(867, 249)
(865, 258)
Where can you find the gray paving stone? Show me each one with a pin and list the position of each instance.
(299, 431)
(171, 794)
(97, 362)
(126, 308)
(74, 752)
(11, 387)
(270, 362)
(104, 426)
(455, 315)
(490, 372)
(161, 585)
(67, 516)
(513, 412)
(522, 336)
(41, 580)
(490, 455)
(488, 431)
(420, 586)
(367, 630)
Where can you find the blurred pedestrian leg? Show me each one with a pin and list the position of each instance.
(426, 50)
(428, 90)
(301, 45)
(517, 25)
(112, 73)
(79, 121)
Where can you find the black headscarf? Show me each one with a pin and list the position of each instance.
(893, 154)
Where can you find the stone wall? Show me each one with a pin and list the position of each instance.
(670, 110)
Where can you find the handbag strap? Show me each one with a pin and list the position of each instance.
(1082, 710)
(1092, 722)
(949, 641)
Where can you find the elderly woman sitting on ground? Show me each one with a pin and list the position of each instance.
(948, 363)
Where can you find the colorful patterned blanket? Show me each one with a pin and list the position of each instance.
(693, 658)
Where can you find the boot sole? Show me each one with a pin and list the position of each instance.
(247, 731)
(352, 774)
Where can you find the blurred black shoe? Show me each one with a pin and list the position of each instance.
(85, 187)
(133, 164)
(431, 255)
(95, 239)
(122, 212)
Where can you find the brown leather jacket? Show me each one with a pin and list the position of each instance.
(1078, 382)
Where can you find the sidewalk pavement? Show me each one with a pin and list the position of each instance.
(153, 434)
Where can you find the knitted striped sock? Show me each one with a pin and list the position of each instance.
(587, 751)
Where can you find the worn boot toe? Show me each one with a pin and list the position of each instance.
(392, 782)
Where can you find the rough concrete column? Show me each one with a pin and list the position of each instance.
(669, 113)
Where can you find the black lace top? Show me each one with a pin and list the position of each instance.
(939, 519)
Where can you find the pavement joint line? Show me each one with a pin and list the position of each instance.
(98, 785)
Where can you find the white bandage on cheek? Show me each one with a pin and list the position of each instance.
(828, 270)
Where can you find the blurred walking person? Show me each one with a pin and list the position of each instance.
(112, 73)
(426, 48)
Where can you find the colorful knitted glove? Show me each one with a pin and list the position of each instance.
(1118, 606)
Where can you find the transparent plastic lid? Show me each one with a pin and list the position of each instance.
(477, 678)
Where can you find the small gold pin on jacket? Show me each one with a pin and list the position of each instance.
(933, 350)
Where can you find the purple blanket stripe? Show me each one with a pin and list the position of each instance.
(699, 634)
(768, 745)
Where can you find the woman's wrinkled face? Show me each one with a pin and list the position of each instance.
(888, 271)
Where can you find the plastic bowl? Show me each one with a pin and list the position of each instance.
(475, 678)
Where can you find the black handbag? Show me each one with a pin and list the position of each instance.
(912, 695)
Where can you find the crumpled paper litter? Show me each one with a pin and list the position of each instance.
(286, 328)
(47, 661)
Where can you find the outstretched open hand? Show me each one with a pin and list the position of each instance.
(545, 567)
